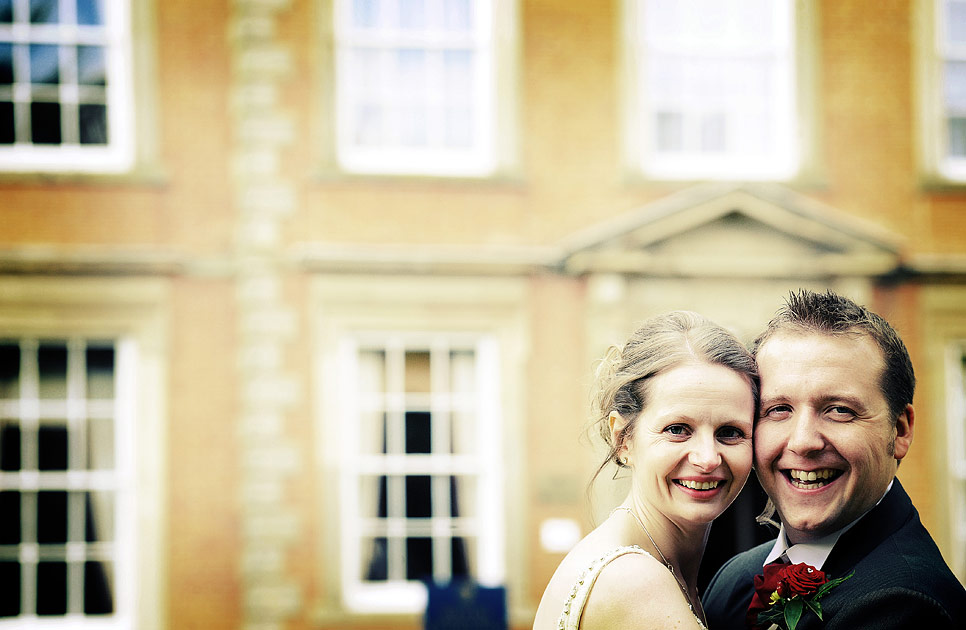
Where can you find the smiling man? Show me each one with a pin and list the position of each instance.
(835, 420)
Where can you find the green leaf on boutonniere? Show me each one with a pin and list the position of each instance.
(793, 612)
(815, 607)
(830, 585)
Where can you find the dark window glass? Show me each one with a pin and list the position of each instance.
(8, 132)
(52, 446)
(9, 445)
(419, 497)
(378, 569)
(9, 362)
(418, 432)
(45, 123)
(52, 360)
(10, 522)
(52, 517)
(419, 558)
(957, 137)
(9, 589)
(93, 124)
(44, 11)
(460, 567)
(6, 11)
(98, 599)
(6, 63)
(51, 588)
(383, 509)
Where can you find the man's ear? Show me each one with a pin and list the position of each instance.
(904, 431)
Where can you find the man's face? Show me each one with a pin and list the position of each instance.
(826, 447)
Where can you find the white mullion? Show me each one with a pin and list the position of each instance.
(76, 394)
(440, 403)
(395, 443)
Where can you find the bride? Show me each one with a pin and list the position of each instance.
(676, 407)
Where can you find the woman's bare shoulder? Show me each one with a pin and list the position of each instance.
(637, 591)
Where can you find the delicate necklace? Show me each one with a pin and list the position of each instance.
(684, 588)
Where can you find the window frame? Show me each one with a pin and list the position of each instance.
(401, 595)
(118, 154)
(128, 312)
(498, 160)
(346, 306)
(803, 137)
(936, 164)
(956, 445)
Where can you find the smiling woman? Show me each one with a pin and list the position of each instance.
(675, 406)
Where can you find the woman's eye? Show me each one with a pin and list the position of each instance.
(676, 429)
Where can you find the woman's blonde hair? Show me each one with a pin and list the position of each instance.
(658, 345)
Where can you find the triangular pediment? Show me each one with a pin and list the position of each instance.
(757, 230)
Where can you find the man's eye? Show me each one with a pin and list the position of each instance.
(778, 412)
(730, 434)
(841, 413)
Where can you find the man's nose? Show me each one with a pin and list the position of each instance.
(805, 434)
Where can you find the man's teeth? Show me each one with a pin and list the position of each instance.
(811, 479)
(699, 485)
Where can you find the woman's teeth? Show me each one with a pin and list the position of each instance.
(699, 485)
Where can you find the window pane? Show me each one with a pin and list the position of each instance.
(417, 372)
(375, 559)
(51, 517)
(9, 371)
(365, 13)
(10, 522)
(372, 496)
(44, 11)
(463, 496)
(52, 364)
(412, 14)
(460, 566)
(957, 137)
(99, 521)
(44, 64)
(6, 11)
(956, 22)
(51, 588)
(9, 444)
(89, 12)
(6, 63)
(98, 599)
(91, 69)
(100, 372)
(52, 445)
(418, 432)
(9, 589)
(419, 558)
(45, 123)
(419, 498)
(100, 444)
(7, 125)
(955, 85)
(458, 15)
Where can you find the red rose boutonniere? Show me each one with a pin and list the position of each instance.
(785, 591)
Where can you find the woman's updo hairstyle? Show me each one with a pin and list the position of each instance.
(660, 344)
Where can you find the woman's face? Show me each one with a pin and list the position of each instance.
(691, 449)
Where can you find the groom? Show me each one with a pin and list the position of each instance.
(835, 420)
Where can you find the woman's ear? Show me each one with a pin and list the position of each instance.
(617, 424)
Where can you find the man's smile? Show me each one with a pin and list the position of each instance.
(811, 479)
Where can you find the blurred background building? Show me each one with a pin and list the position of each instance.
(300, 299)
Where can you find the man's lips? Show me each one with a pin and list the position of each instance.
(811, 479)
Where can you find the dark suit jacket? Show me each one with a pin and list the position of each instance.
(900, 580)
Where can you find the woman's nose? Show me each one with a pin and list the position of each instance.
(705, 456)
